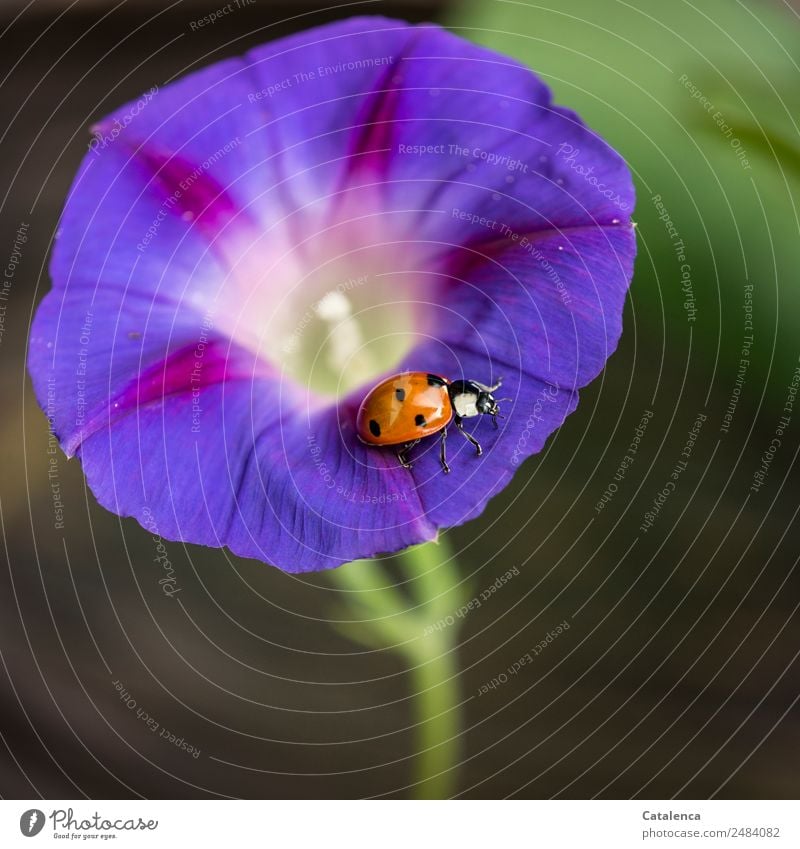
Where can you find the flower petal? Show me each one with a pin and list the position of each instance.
(252, 473)
(97, 357)
(545, 316)
(200, 207)
(537, 409)
(550, 304)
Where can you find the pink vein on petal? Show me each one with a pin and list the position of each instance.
(181, 372)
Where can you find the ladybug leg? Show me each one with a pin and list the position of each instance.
(491, 388)
(402, 454)
(443, 452)
(468, 436)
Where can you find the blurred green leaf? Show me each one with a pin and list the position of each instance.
(702, 100)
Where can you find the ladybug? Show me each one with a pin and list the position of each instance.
(407, 407)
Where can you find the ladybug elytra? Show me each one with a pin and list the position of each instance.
(407, 407)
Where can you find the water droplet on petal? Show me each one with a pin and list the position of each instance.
(542, 158)
(188, 215)
(510, 178)
(615, 220)
(495, 196)
(560, 181)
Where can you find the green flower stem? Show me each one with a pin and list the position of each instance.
(437, 715)
(411, 619)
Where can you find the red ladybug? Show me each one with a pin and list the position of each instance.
(407, 407)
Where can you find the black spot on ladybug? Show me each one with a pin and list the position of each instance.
(435, 380)
(419, 420)
(400, 394)
(374, 428)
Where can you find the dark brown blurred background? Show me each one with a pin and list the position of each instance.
(679, 674)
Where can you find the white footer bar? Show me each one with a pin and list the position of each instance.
(401, 824)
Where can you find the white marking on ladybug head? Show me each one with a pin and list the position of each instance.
(465, 405)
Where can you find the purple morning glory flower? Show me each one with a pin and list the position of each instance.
(246, 251)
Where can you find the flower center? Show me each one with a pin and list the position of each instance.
(349, 321)
(336, 309)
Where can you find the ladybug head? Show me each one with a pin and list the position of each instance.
(486, 404)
